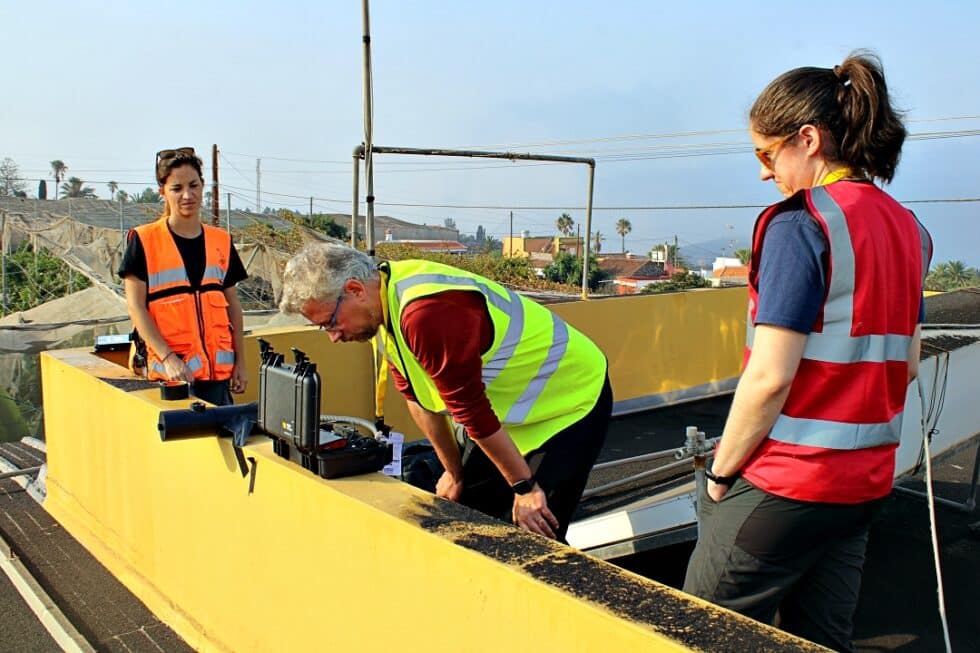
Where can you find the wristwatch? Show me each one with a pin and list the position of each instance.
(721, 480)
(523, 487)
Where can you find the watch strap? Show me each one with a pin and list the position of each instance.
(727, 481)
(524, 486)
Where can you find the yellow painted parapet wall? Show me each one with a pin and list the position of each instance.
(303, 564)
(662, 350)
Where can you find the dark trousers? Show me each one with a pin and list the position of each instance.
(561, 467)
(757, 553)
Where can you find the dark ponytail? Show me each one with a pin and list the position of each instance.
(850, 100)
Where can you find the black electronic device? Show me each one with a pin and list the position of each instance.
(289, 412)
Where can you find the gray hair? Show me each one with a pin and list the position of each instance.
(318, 273)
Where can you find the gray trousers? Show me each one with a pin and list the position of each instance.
(758, 553)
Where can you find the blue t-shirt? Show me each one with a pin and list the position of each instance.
(793, 273)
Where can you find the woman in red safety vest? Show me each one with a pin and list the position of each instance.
(180, 278)
(835, 303)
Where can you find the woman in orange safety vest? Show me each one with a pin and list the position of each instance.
(180, 278)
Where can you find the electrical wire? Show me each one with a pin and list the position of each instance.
(942, 360)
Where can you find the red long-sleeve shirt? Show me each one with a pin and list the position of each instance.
(448, 333)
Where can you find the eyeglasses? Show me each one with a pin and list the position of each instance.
(767, 157)
(331, 324)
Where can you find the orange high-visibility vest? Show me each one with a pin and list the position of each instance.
(192, 320)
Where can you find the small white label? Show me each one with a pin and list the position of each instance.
(394, 468)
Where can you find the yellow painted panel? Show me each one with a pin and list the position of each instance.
(662, 343)
(303, 564)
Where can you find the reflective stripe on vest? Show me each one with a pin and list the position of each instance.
(811, 432)
(833, 344)
(514, 309)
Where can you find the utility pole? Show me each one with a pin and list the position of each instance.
(3, 258)
(228, 212)
(368, 131)
(511, 241)
(311, 210)
(675, 251)
(258, 185)
(215, 219)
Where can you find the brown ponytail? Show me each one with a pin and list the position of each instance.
(850, 100)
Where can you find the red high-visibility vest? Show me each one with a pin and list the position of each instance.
(835, 438)
(193, 321)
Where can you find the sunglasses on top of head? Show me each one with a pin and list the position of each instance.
(163, 155)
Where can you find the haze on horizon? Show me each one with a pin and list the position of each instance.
(658, 95)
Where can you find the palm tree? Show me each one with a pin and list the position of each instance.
(75, 187)
(113, 187)
(148, 196)
(122, 196)
(623, 227)
(493, 244)
(743, 255)
(598, 238)
(58, 167)
(957, 274)
(565, 224)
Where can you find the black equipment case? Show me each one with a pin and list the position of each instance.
(289, 412)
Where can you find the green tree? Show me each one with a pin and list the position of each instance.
(11, 184)
(567, 268)
(623, 227)
(493, 245)
(674, 256)
(952, 275)
(515, 272)
(122, 196)
(148, 196)
(677, 282)
(597, 238)
(744, 255)
(113, 187)
(326, 224)
(58, 168)
(565, 224)
(75, 187)
(34, 278)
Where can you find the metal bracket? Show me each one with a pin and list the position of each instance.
(964, 506)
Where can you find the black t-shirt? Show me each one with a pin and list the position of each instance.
(191, 251)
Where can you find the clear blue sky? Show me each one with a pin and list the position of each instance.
(103, 86)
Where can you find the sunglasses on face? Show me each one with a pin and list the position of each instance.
(767, 156)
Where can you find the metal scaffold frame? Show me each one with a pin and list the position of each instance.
(367, 150)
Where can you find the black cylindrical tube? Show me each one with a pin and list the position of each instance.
(185, 421)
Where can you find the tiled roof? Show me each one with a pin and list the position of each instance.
(634, 268)
(737, 271)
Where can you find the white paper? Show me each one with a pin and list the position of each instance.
(394, 468)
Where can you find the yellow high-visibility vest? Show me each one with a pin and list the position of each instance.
(541, 375)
